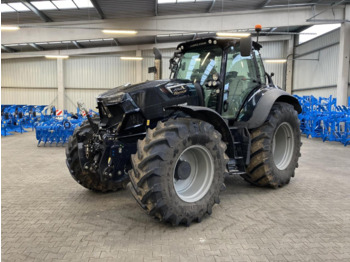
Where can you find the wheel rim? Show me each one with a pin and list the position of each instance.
(283, 146)
(201, 175)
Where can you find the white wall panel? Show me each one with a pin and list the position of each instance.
(88, 96)
(325, 92)
(317, 73)
(319, 42)
(99, 71)
(33, 72)
(30, 96)
(273, 50)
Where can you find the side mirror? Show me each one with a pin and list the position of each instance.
(272, 74)
(246, 46)
(152, 69)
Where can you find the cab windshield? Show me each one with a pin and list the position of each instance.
(199, 64)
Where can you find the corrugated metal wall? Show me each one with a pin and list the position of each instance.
(27, 95)
(34, 81)
(86, 77)
(318, 75)
(28, 81)
(275, 50)
(30, 72)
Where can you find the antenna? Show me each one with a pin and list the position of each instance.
(257, 30)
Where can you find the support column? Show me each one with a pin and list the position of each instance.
(138, 67)
(290, 63)
(60, 85)
(344, 54)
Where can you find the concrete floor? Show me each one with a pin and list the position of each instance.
(47, 216)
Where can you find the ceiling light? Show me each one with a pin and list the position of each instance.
(124, 32)
(185, 1)
(19, 6)
(44, 5)
(56, 56)
(12, 45)
(224, 34)
(5, 8)
(130, 58)
(275, 60)
(83, 3)
(9, 28)
(65, 4)
(166, 1)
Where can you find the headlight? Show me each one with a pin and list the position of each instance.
(115, 99)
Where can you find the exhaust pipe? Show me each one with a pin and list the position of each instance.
(157, 64)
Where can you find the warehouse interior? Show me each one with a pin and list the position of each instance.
(58, 53)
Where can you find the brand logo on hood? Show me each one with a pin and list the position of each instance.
(177, 89)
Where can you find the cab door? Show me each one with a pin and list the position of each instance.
(241, 77)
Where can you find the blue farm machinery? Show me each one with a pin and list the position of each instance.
(51, 126)
(324, 119)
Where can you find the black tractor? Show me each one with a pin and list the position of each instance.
(173, 141)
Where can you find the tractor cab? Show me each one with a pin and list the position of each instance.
(224, 74)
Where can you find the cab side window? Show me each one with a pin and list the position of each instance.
(240, 79)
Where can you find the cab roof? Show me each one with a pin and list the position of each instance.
(222, 42)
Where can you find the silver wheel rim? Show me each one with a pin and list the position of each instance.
(283, 146)
(196, 186)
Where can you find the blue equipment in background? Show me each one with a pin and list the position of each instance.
(57, 129)
(49, 126)
(15, 118)
(323, 118)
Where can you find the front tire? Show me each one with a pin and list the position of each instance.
(275, 148)
(178, 170)
(86, 178)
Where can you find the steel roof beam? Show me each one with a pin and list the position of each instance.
(77, 44)
(8, 49)
(115, 40)
(36, 11)
(331, 7)
(211, 6)
(37, 47)
(156, 8)
(98, 9)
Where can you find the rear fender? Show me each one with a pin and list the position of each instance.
(256, 110)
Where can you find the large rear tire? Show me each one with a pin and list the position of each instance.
(178, 170)
(275, 148)
(86, 178)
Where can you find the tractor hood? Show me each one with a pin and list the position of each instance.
(148, 99)
(118, 94)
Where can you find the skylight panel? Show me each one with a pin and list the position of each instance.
(44, 5)
(315, 31)
(83, 3)
(6, 9)
(65, 4)
(19, 7)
